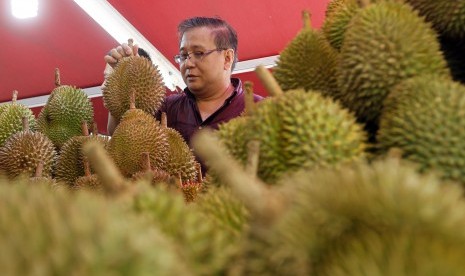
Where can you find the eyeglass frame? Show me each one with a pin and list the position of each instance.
(198, 55)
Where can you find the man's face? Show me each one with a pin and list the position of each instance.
(200, 73)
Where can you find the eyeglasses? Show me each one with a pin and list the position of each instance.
(197, 55)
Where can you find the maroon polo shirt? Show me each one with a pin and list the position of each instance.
(184, 116)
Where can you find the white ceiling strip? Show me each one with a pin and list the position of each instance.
(121, 30)
(96, 91)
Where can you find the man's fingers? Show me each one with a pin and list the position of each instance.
(110, 60)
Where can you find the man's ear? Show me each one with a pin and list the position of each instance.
(228, 59)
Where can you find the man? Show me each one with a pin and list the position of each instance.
(207, 56)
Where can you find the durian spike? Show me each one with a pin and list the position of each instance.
(306, 18)
(111, 178)
(14, 98)
(249, 102)
(253, 152)
(145, 160)
(266, 204)
(39, 169)
(84, 128)
(164, 120)
(57, 77)
(25, 123)
(267, 79)
(132, 99)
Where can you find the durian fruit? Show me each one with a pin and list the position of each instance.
(11, 115)
(300, 130)
(447, 17)
(70, 162)
(385, 43)
(224, 208)
(362, 219)
(337, 17)
(23, 151)
(191, 188)
(61, 117)
(61, 233)
(424, 117)
(89, 181)
(206, 247)
(138, 132)
(154, 176)
(180, 158)
(134, 73)
(39, 179)
(308, 62)
(380, 219)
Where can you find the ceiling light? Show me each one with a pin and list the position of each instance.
(24, 8)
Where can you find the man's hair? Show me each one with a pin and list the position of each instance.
(225, 35)
(144, 53)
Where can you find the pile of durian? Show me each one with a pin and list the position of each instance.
(354, 164)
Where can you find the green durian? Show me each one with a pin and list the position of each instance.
(447, 17)
(138, 132)
(180, 159)
(308, 62)
(138, 74)
(54, 232)
(66, 108)
(205, 247)
(23, 151)
(385, 43)
(223, 208)
(338, 15)
(70, 164)
(424, 117)
(11, 121)
(299, 130)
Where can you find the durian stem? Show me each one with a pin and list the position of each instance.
(111, 178)
(84, 128)
(199, 173)
(146, 161)
(25, 122)
(94, 128)
(395, 153)
(261, 201)
(39, 169)
(85, 162)
(57, 77)
(249, 102)
(306, 18)
(131, 42)
(14, 98)
(179, 181)
(253, 153)
(267, 79)
(364, 3)
(164, 120)
(132, 99)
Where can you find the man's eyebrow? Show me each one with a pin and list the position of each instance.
(194, 47)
